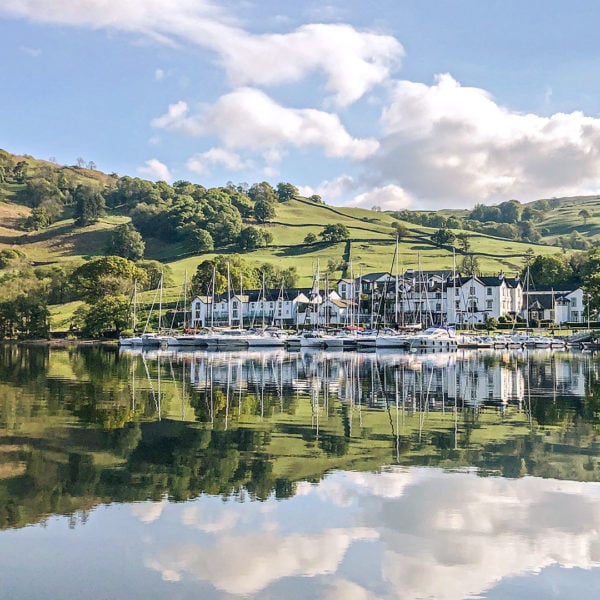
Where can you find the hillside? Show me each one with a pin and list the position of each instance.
(369, 248)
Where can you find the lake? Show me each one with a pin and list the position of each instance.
(473, 474)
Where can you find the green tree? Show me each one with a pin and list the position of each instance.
(549, 270)
(316, 199)
(470, 264)
(89, 205)
(107, 275)
(154, 270)
(510, 211)
(262, 191)
(442, 237)
(310, 238)
(252, 238)
(264, 210)
(202, 279)
(286, 192)
(201, 240)
(464, 241)
(107, 315)
(38, 219)
(584, 214)
(126, 241)
(335, 232)
(400, 230)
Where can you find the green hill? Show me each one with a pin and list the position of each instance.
(27, 185)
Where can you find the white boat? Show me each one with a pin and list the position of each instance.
(312, 339)
(268, 338)
(392, 340)
(435, 338)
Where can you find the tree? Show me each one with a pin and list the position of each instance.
(549, 270)
(264, 210)
(89, 205)
(510, 211)
(310, 238)
(154, 270)
(584, 214)
(109, 314)
(286, 191)
(335, 232)
(470, 264)
(274, 277)
(127, 242)
(442, 237)
(252, 238)
(38, 219)
(20, 171)
(202, 279)
(316, 199)
(262, 191)
(201, 240)
(107, 275)
(400, 230)
(464, 241)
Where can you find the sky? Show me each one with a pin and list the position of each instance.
(416, 104)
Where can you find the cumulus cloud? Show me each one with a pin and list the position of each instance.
(203, 162)
(455, 144)
(148, 512)
(388, 197)
(246, 564)
(155, 170)
(248, 118)
(339, 187)
(351, 61)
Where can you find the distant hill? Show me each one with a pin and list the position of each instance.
(370, 246)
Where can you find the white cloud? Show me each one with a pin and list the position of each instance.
(148, 512)
(203, 162)
(247, 563)
(334, 189)
(352, 61)
(448, 144)
(159, 74)
(155, 170)
(388, 197)
(248, 118)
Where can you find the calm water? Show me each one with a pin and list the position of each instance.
(298, 475)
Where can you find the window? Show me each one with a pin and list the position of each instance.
(438, 308)
(472, 290)
(490, 304)
(457, 305)
(489, 291)
(438, 295)
(574, 302)
(456, 291)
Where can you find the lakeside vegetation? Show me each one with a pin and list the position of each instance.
(54, 219)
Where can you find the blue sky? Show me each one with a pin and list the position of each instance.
(399, 104)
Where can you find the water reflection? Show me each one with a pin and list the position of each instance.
(333, 446)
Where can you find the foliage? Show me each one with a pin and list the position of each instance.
(310, 238)
(286, 191)
(107, 275)
(154, 271)
(126, 241)
(275, 277)
(264, 210)
(335, 232)
(109, 314)
(220, 266)
(252, 238)
(89, 205)
(442, 237)
(25, 316)
(400, 230)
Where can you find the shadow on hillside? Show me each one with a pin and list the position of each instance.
(302, 249)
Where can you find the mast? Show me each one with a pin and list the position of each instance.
(396, 291)
(134, 306)
(160, 303)
(212, 302)
(185, 300)
(228, 296)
